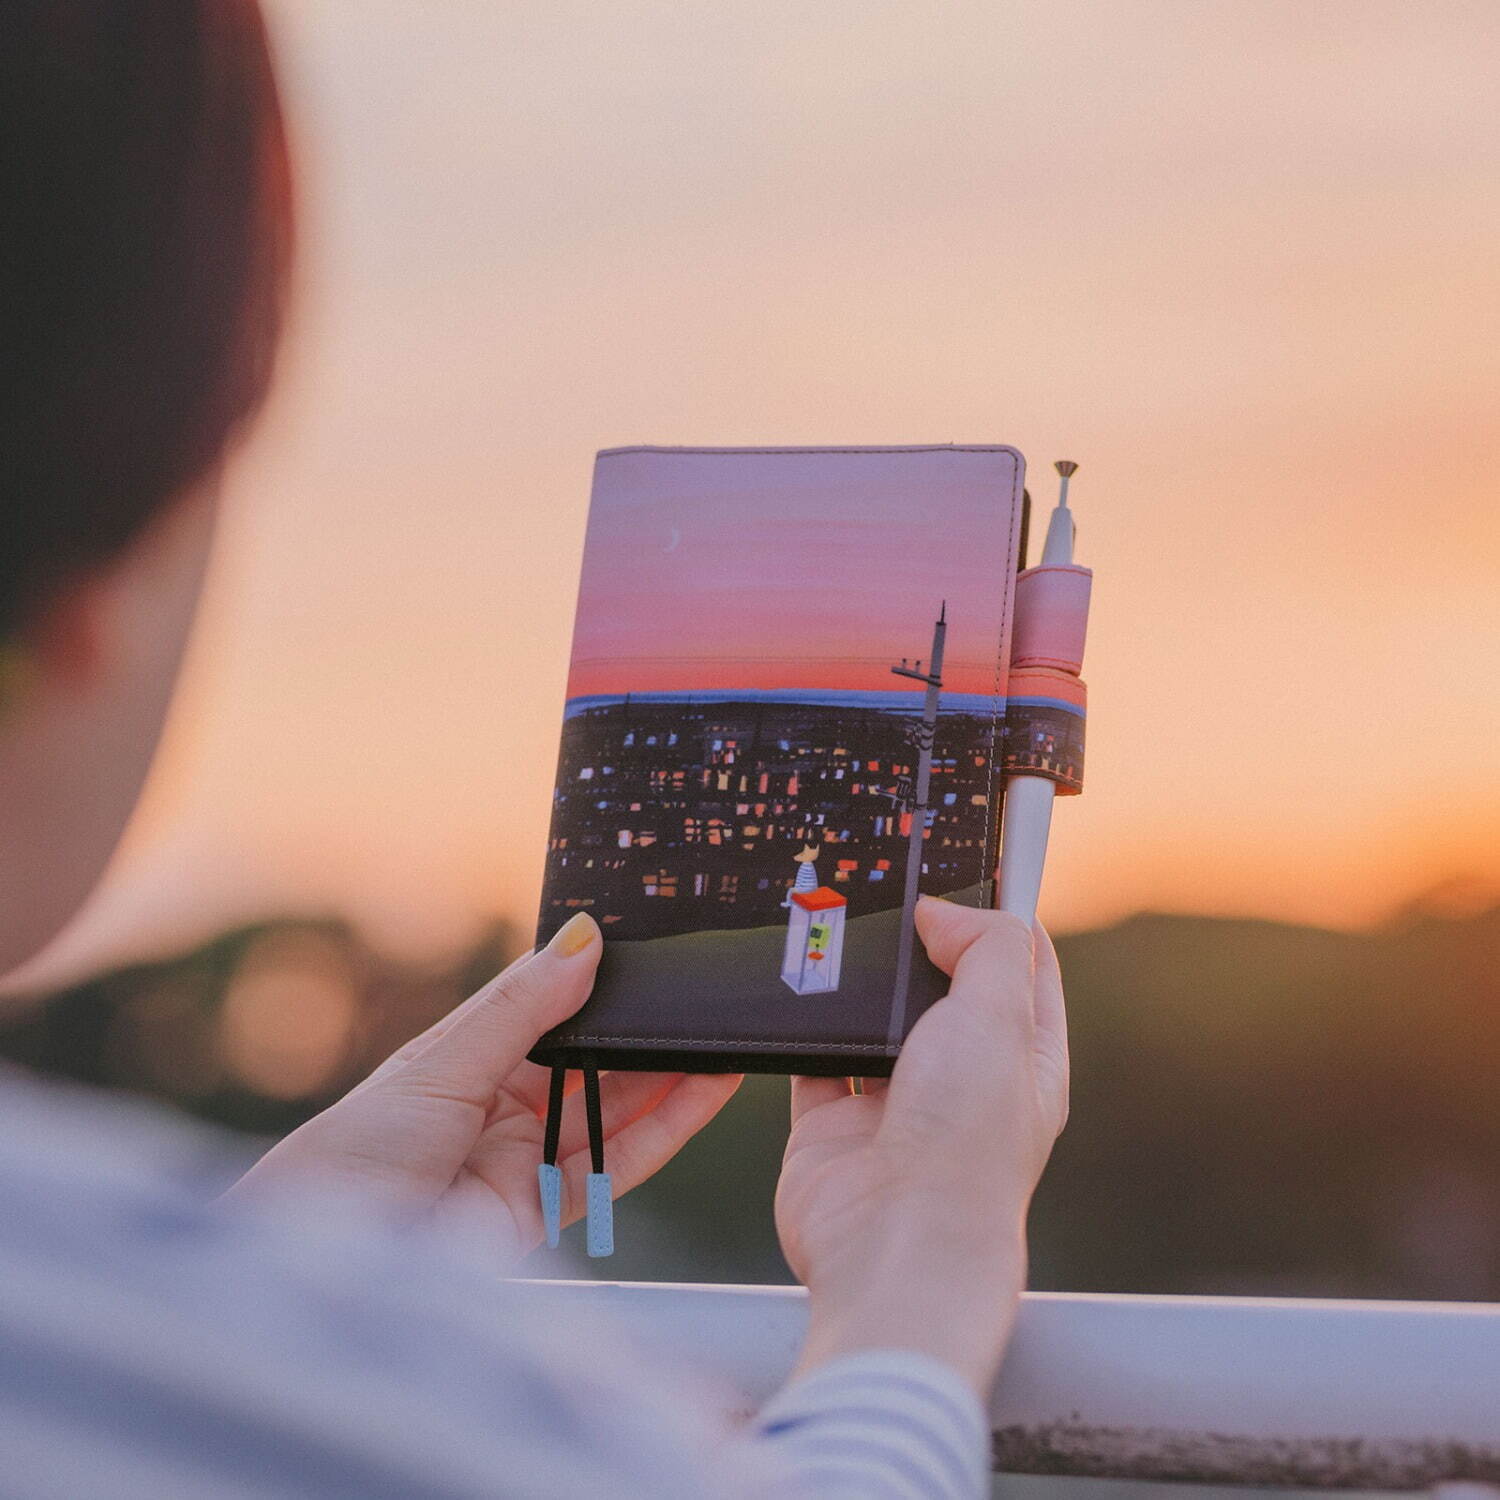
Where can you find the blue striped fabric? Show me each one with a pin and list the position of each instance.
(884, 1423)
(151, 1346)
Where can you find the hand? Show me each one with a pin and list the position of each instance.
(902, 1209)
(450, 1127)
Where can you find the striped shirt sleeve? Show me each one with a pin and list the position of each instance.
(153, 1346)
(880, 1424)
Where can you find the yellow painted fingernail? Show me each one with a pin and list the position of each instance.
(574, 935)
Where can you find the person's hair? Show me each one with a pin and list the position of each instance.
(145, 237)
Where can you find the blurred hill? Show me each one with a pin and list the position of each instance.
(1257, 1108)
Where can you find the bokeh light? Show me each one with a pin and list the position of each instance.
(289, 1013)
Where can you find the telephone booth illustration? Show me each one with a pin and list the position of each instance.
(814, 941)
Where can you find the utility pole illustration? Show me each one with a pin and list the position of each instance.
(917, 804)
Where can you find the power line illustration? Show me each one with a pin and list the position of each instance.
(922, 734)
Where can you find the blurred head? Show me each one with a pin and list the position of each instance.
(144, 247)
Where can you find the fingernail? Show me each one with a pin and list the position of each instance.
(574, 935)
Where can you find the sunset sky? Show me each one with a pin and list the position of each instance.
(1238, 261)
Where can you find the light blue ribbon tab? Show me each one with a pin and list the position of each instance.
(601, 1211)
(549, 1179)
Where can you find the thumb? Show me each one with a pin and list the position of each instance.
(949, 930)
(494, 1030)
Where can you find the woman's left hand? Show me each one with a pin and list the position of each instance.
(450, 1127)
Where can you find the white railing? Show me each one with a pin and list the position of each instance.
(1215, 1390)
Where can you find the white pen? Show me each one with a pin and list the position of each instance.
(1028, 799)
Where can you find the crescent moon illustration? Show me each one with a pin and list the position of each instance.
(674, 537)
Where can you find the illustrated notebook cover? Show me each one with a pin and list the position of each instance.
(786, 695)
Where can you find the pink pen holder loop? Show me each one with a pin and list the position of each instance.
(1052, 617)
(1047, 701)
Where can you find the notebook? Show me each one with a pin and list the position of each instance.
(785, 699)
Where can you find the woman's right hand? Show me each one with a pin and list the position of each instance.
(903, 1209)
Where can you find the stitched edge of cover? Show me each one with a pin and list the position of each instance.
(1002, 674)
(803, 452)
(705, 1043)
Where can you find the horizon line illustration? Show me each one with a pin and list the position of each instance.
(899, 700)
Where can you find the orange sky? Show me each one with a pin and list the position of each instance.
(1238, 261)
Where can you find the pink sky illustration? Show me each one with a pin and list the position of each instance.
(793, 569)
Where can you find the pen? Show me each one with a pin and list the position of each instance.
(1027, 821)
